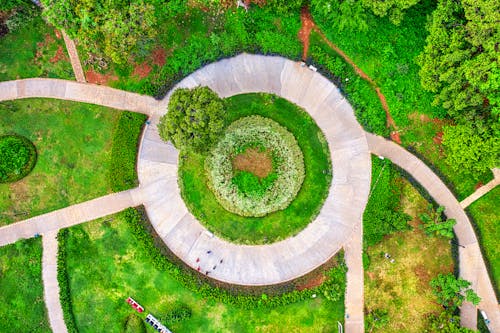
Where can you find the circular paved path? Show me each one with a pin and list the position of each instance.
(341, 215)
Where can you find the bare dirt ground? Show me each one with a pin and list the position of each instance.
(254, 161)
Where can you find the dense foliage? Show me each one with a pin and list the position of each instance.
(63, 281)
(452, 292)
(446, 322)
(6, 5)
(176, 312)
(471, 150)
(288, 163)
(280, 224)
(123, 173)
(115, 28)
(383, 214)
(332, 288)
(194, 120)
(434, 225)
(17, 157)
(460, 61)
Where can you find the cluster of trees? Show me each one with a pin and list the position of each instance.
(116, 28)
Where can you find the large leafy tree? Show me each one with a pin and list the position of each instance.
(194, 120)
(460, 62)
(118, 27)
(470, 149)
(434, 225)
(452, 292)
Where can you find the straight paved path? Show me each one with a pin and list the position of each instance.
(50, 283)
(471, 262)
(74, 58)
(79, 92)
(69, 216)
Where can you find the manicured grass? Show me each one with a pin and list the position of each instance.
(279, 225)
(74, 144)
(106, 264)
(21, 289)
(31, 51)
(485, 214)
(402, 288)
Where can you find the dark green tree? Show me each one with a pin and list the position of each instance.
(435, 225)
(452, 292)
(393, 9)
(460, 61)
(194, 120)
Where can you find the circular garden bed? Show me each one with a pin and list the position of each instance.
(17, 157)
(250, 168)
(256, 168)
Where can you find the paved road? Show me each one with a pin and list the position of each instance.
(50, 283)
(471, 262)
(79, 92)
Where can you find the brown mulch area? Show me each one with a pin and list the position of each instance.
(422, 274)
(311, 283)
(254, 161)
(98, 78)
(438, 139)
(305, 30)
(142, 70)
(60, 55)
(159, 56)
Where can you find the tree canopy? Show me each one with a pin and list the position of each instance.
(194, 120)
(120, 26)
(452, 292)
(460, 62)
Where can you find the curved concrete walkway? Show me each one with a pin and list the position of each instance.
(78, 92)
(471, 263)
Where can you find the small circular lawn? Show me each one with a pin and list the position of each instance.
(17, 157)
(265, 179)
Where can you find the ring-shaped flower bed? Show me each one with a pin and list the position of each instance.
(281, 224)
(17, 157)
(256, 168)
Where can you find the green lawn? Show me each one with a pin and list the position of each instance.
(485, 214)
(31, 51)
(106, 264)
(402, 288)
(74, 144)
(21, 289)
(280, 224)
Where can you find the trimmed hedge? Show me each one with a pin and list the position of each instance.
(17, 157)
(123, 172)
(64, 285)
(333, 288)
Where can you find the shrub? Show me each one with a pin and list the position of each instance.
(123, 173)
(274, 193)
(194, 120)
(64, 283)
(134, 324)
(177, 312)
(434, 224)
(452, 292)
(17, 157)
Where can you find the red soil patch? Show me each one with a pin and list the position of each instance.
(254, 161)
(58, 56)
(159, 56)
(305, 30)
(98, 78)
(422, 274)
(313, 282)
(478, 185)
(58, 34)
(142, 70)
(438, 139)
(395, 137)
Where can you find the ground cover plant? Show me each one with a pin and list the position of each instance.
(243, 192)
(21, 290)
(110, 259)
(278, 225)
(18, 157)
(484, 214)
(74, 146)
(399, 293)
(31, 47)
